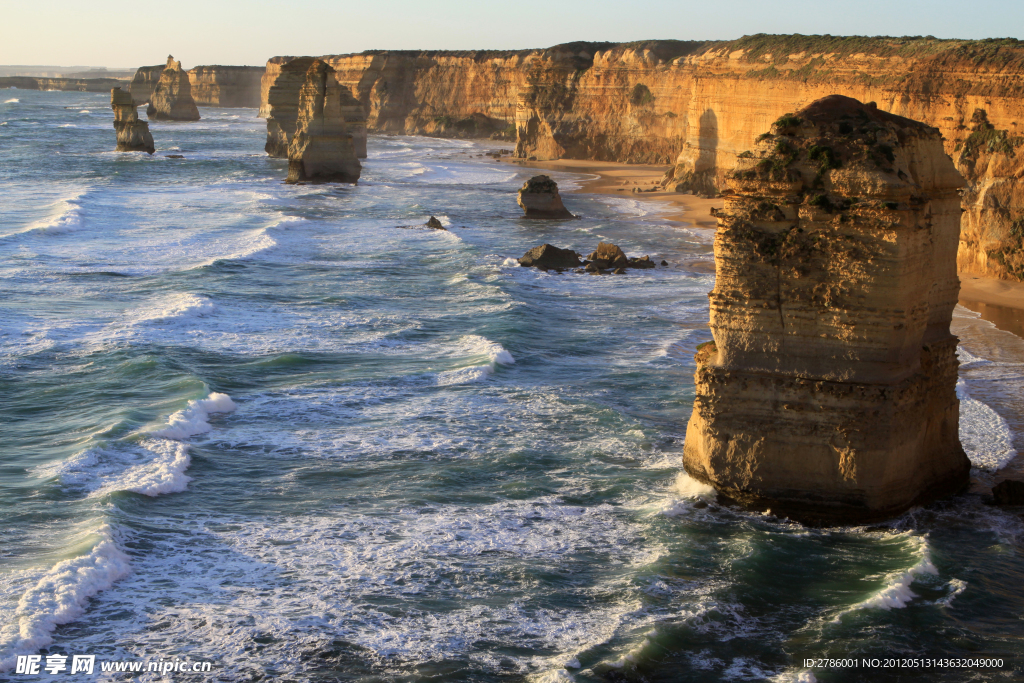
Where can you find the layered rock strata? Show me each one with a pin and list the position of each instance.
(226, 86)
(698, 105)
(539, 198)
(132, 134)
(172, 98)
(828, 394)
(321, 149)
(144, 82)
(65, 84)
(282, 83)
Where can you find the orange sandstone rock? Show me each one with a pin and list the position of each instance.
(321, 149)
(829, 394)
(172, 98)
(132, 134)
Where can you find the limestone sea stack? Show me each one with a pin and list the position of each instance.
(172, 98)
(828, 394)
(539, 198)
(281, 85)
(144, 82)
(322, 149)
(132, 134)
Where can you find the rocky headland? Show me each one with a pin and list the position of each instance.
(698, 104)
(144, 82)
(829, 392)
(132, 134)
(66, 84)
(226, 86)
(321, 149)
(171, 100)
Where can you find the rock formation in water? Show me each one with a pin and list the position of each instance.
(699, 104)
(281, 85)
(172, 98)
(65, 84)
(828, 394)
(144, 82)
(132, 134)
(550, 257)
(321, 149)
(539, 198)
(226, 86)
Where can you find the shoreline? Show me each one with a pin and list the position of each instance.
(1000, 302)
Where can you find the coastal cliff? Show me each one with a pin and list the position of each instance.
(829, 392)
(172, 98)
(144, 82)
(698, 105)
(226, 86)
(65, 84)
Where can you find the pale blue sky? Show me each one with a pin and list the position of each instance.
(135, 32)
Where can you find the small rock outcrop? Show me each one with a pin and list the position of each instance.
(132, 134)
(539, 198)
(828, 394)
(435, 224)
(322, 149)
(172, 98)
(550, 257)
(1008, 492)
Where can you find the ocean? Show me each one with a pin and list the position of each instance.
(288, 431)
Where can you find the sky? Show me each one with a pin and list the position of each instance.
(130, 33)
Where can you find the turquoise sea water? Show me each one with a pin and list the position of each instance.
(274, 428)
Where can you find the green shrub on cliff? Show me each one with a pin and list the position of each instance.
(641, 95)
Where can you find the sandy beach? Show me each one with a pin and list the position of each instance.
(620, 179)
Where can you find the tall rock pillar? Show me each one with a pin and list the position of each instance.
(172, 98)
(323, 149)
(132, 135)
(828, 394)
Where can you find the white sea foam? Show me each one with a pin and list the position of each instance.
(165, 473)
(985, 435)
(956, 587)
(13, 100)
(511, 263)
(691, 491)
(60, 596)
(477, 346)
(193, 419)
(896, 593)
(67, 216)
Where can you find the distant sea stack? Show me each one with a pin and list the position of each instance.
(282, 82)
(132, 134)
(321, 149)
(828, 394)
(172, 98)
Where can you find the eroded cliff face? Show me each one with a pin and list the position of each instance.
(65, 84)
(226, 86)
(172, 98)
(829, 393)
(144, 82)
(282, 85)
(132, 134)
(321, 149)
(698, 105)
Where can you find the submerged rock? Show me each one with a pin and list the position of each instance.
(322, 149)
(1008, 492)
(550, 257)
(539, 198)
(132, 134)
(172, 98)
(829, 393)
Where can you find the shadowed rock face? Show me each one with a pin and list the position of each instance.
(828, 394)
(144, 82)
(322, 148)
(282, 85)
(132, 135)
(172, 98)
(539, 198)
